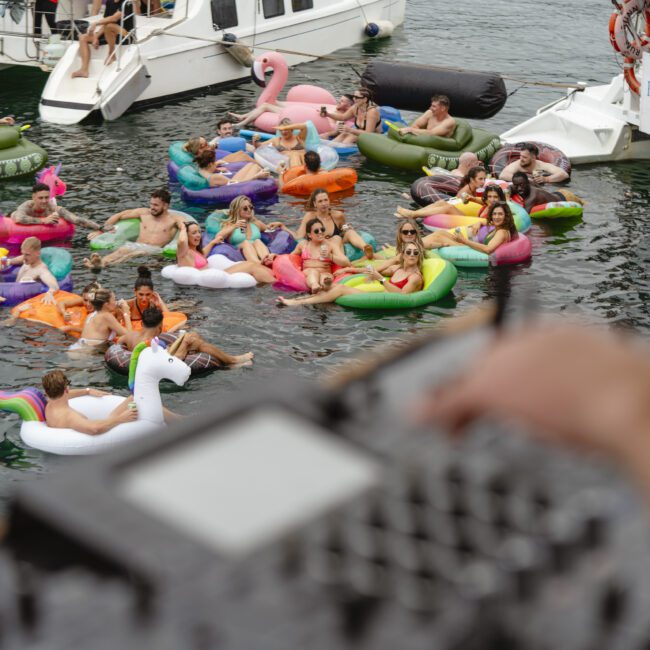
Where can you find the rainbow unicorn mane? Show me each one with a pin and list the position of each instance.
(135, 355)
(28, 403)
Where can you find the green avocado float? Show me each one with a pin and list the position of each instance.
(413, 152)
(18, 156)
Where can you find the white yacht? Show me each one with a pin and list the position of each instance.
(181, 50)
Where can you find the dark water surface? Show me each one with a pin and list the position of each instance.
(596, 267)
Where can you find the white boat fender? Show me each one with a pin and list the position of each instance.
(380, 29)
(238, 51)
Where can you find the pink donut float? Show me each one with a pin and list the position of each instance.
(303, 102)
(14, 234)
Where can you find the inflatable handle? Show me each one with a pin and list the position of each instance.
(427, 171)
(393, 125)
(24, 127)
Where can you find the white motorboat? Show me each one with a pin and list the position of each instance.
(182, 50)
(608, 122)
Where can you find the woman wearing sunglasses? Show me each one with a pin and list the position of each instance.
(189, 253)
(366, 118)
(318, 254)
(243, 230)
(406, 278)
(336, 229)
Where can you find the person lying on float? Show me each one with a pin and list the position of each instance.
(434, 121)
(33, 268)
(540, 171)
(42, 210)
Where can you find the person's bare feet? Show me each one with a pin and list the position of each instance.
(403, 213)
(236, 116)
(265, 173)
(286, 302)
(94, 262)
(327, 283)
(80, 74)
(242, 360)
(368, 251)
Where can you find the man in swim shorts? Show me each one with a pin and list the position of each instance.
(541, 172)
(33, 268)
(60, 415)
(435, 121)
(187, 342)
(40, 210)
(157, 228)
(529, 196)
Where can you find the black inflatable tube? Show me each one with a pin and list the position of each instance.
(409, 86)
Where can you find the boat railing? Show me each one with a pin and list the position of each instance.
(123, 41)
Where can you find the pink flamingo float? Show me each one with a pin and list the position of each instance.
(13, 234)
(303, 102)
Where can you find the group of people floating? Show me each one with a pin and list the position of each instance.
(321, 235)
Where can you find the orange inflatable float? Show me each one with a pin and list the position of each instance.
(36, 311)
(298, 183)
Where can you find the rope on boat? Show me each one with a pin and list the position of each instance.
(353, 62)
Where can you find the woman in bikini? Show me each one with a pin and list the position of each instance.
(406, 278)
(318, 254)
(336, 229)
(189, 253)
(502, 230)
(243, 230)
(101, 326)
(366, 118)
(145, 296)
(289, 143)
(218, 175)
(469, 185)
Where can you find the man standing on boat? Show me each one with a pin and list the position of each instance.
(41, 210)
(157, 228)
(541, 172)
(435, 121)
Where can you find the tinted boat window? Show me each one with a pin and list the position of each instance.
(301, 5)
(224, 14)
(273, 8)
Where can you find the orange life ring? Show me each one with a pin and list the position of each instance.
(36, 311)
(301, 184)
(629, 74)
(621, 30)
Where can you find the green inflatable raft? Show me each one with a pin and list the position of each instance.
(18, 156)
(439, 278)
(129, 230)
(413, 152)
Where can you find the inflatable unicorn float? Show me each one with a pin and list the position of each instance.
(303, 102)
(149, 364)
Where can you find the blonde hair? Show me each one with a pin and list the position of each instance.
(193, 146)
(235, 207)
(399, 242)
(420, 247)
(31, 243)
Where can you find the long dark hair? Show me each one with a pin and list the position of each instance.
(508, 222)
(493, 188)
(143, 279)
(471, 175)
(312, 197)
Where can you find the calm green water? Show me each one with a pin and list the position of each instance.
(596, 268)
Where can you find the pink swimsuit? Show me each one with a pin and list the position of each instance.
(199, 261)
(306, 255)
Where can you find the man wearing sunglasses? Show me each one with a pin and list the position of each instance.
(435, 121)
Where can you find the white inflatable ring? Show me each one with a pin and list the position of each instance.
(72, 443)
(622, 35)
(212, 277)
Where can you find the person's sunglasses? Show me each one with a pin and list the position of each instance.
(358, 96)
(411, 252)
(318, 231)
(409, 232)
(247, 208)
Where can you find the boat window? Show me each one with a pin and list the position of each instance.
(224, 14)
(273, 8)
(301, 5)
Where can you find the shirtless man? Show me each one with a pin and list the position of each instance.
(225, 129)
(187, 343)
(41, 210)
(157, 228)
(541, 172)
(525, 194)
(59, 413)
(33, 268)
(466, 161)
(435, 121)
